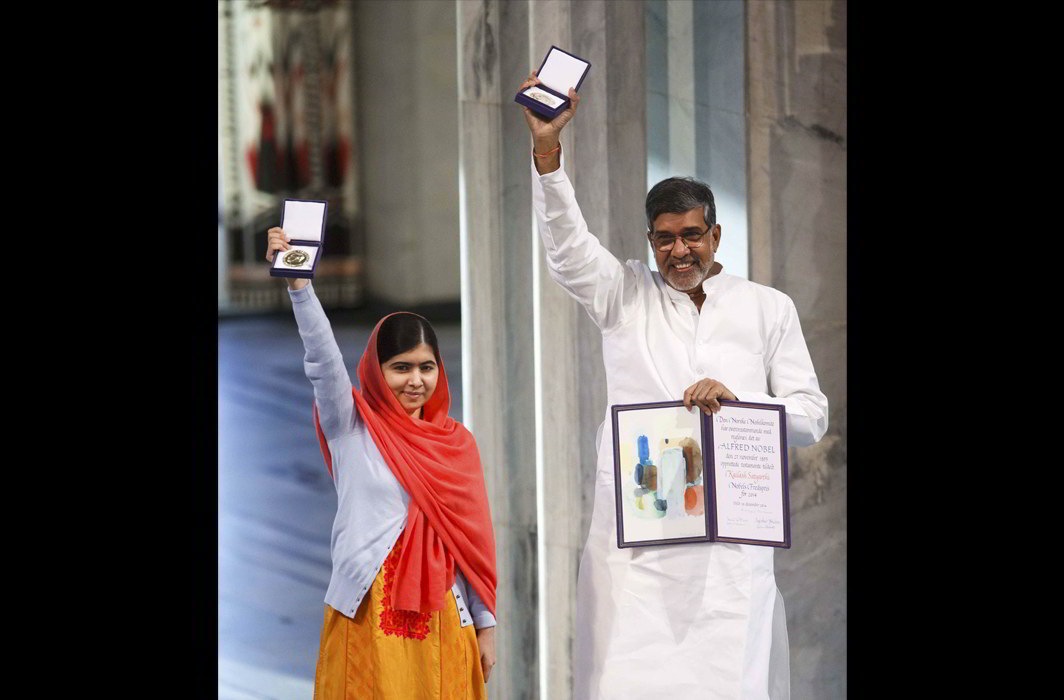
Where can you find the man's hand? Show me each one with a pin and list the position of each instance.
(277, 240)
(486, 643)
(545, 134)
(705, 394)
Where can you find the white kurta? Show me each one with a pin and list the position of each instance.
(679, 621)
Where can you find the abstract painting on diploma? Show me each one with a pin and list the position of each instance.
(660, 480)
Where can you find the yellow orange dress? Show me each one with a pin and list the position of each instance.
(387, 654)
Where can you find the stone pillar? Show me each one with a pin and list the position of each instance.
(720, 122)
(696, 120)
(680, 79)
(497, 315)
(407, 82)
(532, 358)
(796, 81)
(606, 162)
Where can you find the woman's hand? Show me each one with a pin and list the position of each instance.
(705, 394)
(545, 134)
(486, 644)
(277, 241)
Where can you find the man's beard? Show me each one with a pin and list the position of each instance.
(690, 278)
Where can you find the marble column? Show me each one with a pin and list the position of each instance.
(497, 316)
(522, 333)
(606, 161)
(720, 122)
(796, 121)
(680, 79)
(696, 108)
(407, 124)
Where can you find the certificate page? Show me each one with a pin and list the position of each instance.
(748, 473)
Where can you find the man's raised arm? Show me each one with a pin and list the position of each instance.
(546, 134)
(575, 258)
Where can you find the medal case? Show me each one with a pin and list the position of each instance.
(303, 221)
(559, 71)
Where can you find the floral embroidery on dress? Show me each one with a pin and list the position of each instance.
(401, 623)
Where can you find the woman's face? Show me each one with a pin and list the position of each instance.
(412, 376)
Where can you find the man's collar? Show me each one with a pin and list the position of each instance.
(715, 273)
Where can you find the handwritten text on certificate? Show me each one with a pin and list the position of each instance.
(748, 477)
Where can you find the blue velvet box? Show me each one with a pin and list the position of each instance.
(559, 71)
(303, 221)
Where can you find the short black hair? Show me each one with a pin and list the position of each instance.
(675, 195)
(403, 332)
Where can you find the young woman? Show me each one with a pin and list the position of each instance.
(410, 608)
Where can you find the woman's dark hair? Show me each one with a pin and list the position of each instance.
(403, 332)
(676, 195)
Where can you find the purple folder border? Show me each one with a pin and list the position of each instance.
(709, 472)
(308, 274)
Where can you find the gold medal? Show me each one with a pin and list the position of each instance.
(544, 98)
(295, 258)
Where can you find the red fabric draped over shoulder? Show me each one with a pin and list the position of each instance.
(437, 462)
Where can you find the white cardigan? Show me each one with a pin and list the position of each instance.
(371, 504)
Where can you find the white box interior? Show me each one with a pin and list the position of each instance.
(543, 96)
(311, 251)
(303, 221)
(561, 71)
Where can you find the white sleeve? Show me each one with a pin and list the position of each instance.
(324, 365)
(792, 381)
(575, 258)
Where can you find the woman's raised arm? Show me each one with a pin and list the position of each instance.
(323, 363)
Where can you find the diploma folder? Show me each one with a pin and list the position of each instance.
(559, 71)
(683, 477)
(303, 221)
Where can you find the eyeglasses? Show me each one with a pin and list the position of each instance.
(665, 241)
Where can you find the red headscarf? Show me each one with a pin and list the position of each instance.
(436, 461)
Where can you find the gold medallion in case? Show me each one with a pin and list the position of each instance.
(295, 258)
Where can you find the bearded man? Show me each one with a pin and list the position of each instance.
(690, 620)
